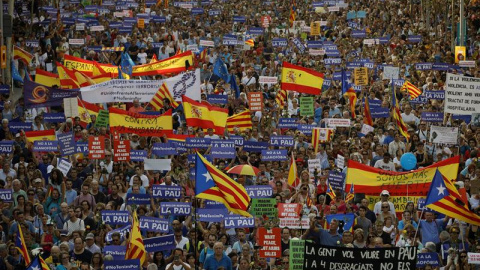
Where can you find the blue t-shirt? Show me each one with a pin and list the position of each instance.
(212, 264)
(431, 230)
(329, 240)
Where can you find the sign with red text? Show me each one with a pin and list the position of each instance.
(121, 151)
(255, 100)
(270, 241)
(289, 210)
(96, 147)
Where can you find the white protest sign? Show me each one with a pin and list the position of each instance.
(157, 164)
(340, 161)
(443, 135)
(323, 23)
(473, 258)
(462, 94)
(312, 165)
(316, 52)
(97, 28)
(193, 48)
(391, 73)
(79, 27)
(334, 9)
(267, 80)
(338, 122)
(369, 41)
(70, 106)
(64, 166)
(76, 41)
(207, 43)
(366, 129)
(468, 64)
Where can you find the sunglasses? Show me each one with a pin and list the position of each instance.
(385, 207)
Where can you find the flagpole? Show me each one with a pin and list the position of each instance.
(418, 225)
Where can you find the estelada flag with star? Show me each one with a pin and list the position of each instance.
(444, 198)
(213, 184)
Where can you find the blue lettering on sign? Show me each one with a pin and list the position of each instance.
(160, 243)
(274, 155)
(154, 224)
(286, 141)
(45, 146)
(115, 217)
(166, 192)
(6, 147)
(236, 221)
(256, 192)
(279, 42)
(175, 208)
(432, 116)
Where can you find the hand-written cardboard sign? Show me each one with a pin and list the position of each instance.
(96, 147)
(360, 76)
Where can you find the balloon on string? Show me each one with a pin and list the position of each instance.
(408, 161)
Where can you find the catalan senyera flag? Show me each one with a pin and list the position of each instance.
(20, 245)
(85, 110)
(300, 79)
(141, 124)
(241, 120)
(308, 201)
(281, 98)
(444, 197)
(321, 135)
(397, 116)
(43, 135)
(293, 179)
(366, 110)
(414, 183)
(21, 54)
(293, 13)
(174, 64)
(411, 89)
(46, 78)
(250, 42)
(351, 194)
(331, 192)
(135, 247)
(162, 93)
(204, 116)
(352, 100)
(213, 184)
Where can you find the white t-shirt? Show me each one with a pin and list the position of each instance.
(390, 166)
(142, 58)
(144, 178)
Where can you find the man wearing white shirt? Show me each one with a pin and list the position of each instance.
(143, 177)
(394, 146)
(385, 163)
(408, 117)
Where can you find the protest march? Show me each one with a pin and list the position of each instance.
(239, 135)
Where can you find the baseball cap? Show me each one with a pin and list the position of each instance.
(385, 192)
(90, 236)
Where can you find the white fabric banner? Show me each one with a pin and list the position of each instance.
(443, 135)
(187, 83)
(462, 94)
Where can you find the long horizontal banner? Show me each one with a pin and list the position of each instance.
(143, 125)
(87, 66)
(37, 95)
(174, 64)
(372, 181)
(187, 84)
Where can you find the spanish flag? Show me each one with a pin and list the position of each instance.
(86, 66)
(241, 120)
(46, 78)
(77, 76)
(99, 75)
(85, 110)
(204, 116)
(300, 79)
(43, 135)
(20, 54)
(174, 64)
(213, 184)
(293, 179)
(179, 137)
(135, 247)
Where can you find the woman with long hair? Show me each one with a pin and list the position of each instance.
(56, 181)
(22, 174)
(159, 260)
(97, 261)
(359, 238)
(52, 204)
(65, 261)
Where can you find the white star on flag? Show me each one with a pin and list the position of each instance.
(207, 176)
(441, 189)
(36, 267)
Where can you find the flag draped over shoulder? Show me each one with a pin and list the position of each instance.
(241, 120)
(135, 247)
(20, 54)
(293, 179)
(204, 115)
(163, 92)
(444, 197)
(213, 184)
(143, 125)
(300, 79)
(20, 245)
(411, 89)
(402, 127)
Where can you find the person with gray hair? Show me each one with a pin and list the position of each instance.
(152, 266)
(444, 245)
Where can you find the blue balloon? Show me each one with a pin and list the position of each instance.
(408, 161)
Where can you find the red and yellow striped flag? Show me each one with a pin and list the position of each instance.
(293, 13)
(20, 54)
(241, 120)
(352, 100)
(43, 135)
(158, 99)
(250, 42)
(135, 247)
(46, 78)
(368, 116)
(321, 135)
(281, 98)
(411, 89)
(293, 179)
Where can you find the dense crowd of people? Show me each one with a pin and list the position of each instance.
(61, 214)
